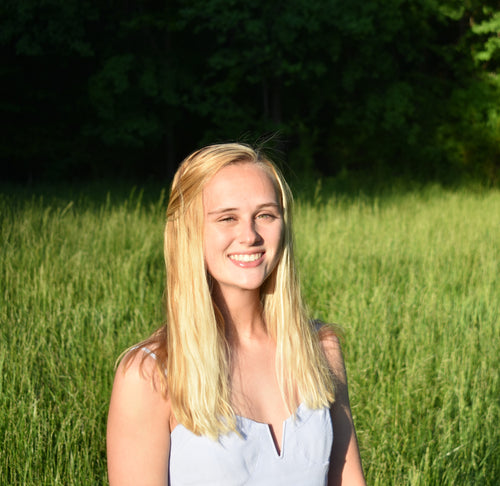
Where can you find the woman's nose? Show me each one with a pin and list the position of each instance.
(249, 234)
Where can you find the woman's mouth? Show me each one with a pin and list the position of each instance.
(246, 257)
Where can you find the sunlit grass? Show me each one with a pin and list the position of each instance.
(414, 280)
(412, 277)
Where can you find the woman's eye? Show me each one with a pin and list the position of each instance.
(267, 216)
(227, 219)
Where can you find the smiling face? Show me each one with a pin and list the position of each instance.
(243, 227)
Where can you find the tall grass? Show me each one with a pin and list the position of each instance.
(414, 280)
(411, 277)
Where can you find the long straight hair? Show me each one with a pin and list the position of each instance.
(191, 349)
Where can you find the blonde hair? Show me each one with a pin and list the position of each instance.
(191, 348)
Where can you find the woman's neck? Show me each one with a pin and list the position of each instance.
(242, 313)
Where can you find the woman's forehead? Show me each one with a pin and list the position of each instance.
(239, 184)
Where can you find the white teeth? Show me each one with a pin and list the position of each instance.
(246, 258)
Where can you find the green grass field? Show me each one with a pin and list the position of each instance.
(411, 276)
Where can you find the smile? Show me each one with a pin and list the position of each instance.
(246, 258)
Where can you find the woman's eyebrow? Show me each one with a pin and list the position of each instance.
(273, 205)
(222, 210)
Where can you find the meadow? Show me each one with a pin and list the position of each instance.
(412, 277)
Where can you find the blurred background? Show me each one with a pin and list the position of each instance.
(366, 88)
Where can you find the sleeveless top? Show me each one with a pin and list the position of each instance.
(251, 458)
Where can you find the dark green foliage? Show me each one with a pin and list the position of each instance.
(406, 88)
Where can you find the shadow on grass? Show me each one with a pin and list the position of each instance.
(314, 189)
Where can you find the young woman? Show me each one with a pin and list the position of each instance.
(239, 386)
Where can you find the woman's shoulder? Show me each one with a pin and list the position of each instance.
(138, 394)
(328, 333)
(329, 337)
(139, 366)
(138, 420)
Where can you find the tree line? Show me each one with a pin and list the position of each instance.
(400, 87)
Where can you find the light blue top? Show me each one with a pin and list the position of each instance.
(252, 458)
